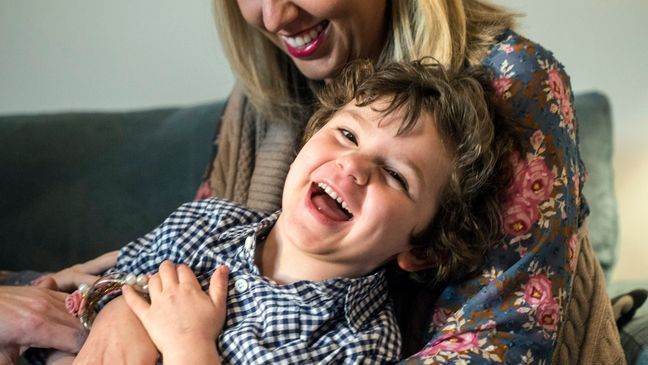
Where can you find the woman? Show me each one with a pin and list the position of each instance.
(515, 308)
(511, 312)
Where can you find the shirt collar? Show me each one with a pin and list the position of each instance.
(361, 297)
(364, 298)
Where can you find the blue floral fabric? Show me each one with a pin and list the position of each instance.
(511, 313)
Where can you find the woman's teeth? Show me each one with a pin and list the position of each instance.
(330, 192)
(304, 38)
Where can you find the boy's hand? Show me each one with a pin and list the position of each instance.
(182, 320)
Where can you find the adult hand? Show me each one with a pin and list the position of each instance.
(182, 320)
(36, 317)
(117, 337)
(69, 279)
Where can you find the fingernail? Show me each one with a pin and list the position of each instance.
(38, 280)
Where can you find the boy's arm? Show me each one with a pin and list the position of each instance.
(182, 320)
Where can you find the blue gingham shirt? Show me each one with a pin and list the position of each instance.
(337, 321)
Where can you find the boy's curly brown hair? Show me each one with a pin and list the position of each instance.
(468, 221)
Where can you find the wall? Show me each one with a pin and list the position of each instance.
(119, 54)
(603, 47)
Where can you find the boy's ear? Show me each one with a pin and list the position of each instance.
(409, 261)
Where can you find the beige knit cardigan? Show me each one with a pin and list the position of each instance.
(252, 162)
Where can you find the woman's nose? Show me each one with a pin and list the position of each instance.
(356, 167)
(278, 13)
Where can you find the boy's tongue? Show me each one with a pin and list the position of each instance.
(329, 207)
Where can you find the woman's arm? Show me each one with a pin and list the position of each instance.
(511, 312)
(117, 337)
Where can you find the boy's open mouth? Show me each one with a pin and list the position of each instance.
(329, 204)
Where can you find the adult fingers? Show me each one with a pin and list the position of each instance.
(137, 304)
(218, 285)
(99, 264)
(69, 279)
(37, 317)
(46, 282)
(81, 278)
(47, 323)
(58, 336)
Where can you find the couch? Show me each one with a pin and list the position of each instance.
(75, 185)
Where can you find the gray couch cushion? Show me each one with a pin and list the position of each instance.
(75, 185)
(595, 130)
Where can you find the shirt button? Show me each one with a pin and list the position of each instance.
(241, 285)
(248, 243)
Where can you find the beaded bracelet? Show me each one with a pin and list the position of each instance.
(84, 302)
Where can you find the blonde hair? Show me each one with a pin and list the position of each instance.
(457, 33)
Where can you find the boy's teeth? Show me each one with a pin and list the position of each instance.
(330, 192)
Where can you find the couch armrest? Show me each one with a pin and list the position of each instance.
(78, 184)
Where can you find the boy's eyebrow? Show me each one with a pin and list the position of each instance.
(362, 120)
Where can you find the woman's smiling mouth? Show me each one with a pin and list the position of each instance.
(307, 42)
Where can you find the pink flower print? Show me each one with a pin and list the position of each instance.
(548, 316)
(501, 85)
(537, 181)
(507, 48)
(518, 167)
(538, 290)
(567, 111)
(454, 343)
(561, 95)
(536, 139)
(520, 215)
(556, 85)
(440, 316)
(571, 252)
(73, 303)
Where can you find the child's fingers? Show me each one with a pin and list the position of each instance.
(218, 285)
(186, 276)
(168, 274)
(154, 286)
(136, 303)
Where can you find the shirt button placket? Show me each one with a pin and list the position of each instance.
(249, 241)
(241, 285)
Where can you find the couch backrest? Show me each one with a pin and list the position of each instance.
(78, 184)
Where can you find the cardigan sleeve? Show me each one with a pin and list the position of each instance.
(512, 311)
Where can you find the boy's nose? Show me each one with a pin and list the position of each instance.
(356, 167)
(278, 13)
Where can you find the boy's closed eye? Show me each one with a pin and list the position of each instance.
(391, 172)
